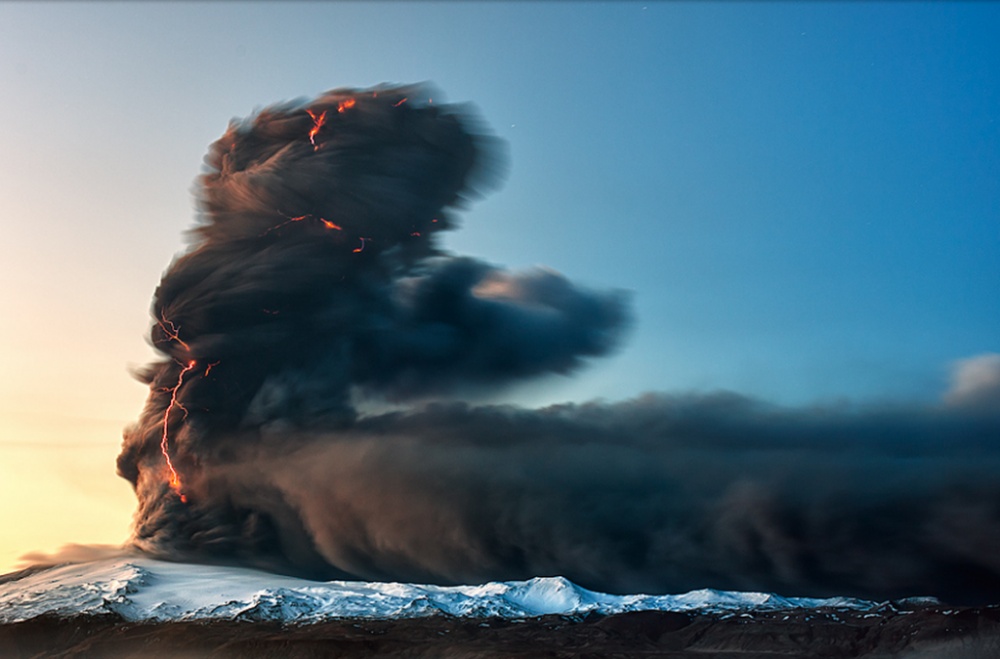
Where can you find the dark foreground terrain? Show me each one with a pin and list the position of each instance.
(918, 632)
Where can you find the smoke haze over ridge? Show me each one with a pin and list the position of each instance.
(314, 283)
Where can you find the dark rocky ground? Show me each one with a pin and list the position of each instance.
(917, 632)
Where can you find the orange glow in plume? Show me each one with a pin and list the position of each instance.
(288, 221)
(326, 223)
(172, 331)
(318, 121)
(174, 480)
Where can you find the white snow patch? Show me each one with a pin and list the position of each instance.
(140, 588)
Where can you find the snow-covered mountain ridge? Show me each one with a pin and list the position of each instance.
(140, 588)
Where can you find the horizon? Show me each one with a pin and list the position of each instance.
(802, 200)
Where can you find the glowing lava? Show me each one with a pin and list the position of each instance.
(318, 121)
(360, 249)
(397, 104)
(175, 479)
(343, 106)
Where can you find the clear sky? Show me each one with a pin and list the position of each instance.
(803, 198)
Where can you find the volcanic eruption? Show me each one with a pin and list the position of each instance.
(314, 289)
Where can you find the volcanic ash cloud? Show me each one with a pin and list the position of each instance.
(314, 282)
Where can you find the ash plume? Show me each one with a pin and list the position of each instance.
(314, 284)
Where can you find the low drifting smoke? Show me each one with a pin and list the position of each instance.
(75, 553)
(315, 283)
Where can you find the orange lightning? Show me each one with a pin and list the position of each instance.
(172, 331)
(175, 479)
(345, 105)
(325, 222)
(288, 221)
(318, 121)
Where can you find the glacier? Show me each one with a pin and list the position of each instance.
(139, 588)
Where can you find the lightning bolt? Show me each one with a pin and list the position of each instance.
(175, 479)
(172, 331)
(325, 222)
(318, 122)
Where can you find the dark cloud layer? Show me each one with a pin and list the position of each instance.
(314, 283)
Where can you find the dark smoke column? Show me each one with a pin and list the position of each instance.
(314, 282)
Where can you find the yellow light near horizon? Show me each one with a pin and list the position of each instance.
(58, 485)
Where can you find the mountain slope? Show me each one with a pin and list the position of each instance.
(133, 607)
(137, 588)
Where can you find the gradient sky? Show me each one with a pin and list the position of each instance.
(804, 198)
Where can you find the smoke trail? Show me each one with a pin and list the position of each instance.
(314, 282)
(660, 493)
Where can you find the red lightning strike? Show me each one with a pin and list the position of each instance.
(343, 106)
(172, 331)
(288, 221)
(318, 121)
(326, 223)
(175, 479)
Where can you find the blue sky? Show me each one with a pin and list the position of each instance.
(802, 197)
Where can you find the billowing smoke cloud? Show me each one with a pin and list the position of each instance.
(314, 283)
(976, 382)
